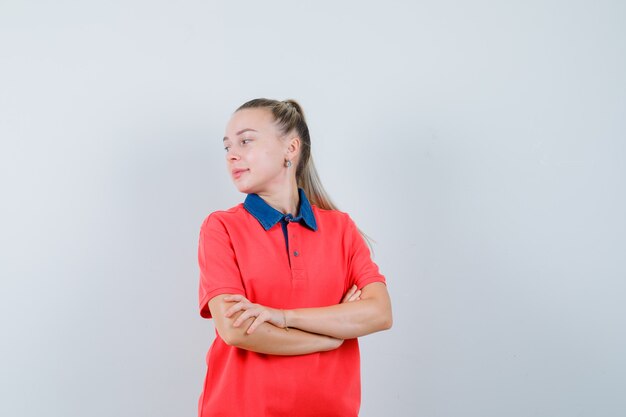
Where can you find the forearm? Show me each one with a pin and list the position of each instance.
(267, 338)
(272, 340)
(342, 321)
(370, 314)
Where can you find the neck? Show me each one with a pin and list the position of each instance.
(285, 200)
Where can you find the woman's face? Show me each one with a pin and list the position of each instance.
(255, 153)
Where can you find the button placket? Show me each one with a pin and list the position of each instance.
(297, 262)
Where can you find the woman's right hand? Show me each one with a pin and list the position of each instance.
(353, 294)
(259, 312)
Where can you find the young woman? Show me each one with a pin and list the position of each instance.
(287, 278)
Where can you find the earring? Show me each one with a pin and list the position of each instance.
(288, 163)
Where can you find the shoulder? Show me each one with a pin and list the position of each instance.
(336, 219)
(223, 217)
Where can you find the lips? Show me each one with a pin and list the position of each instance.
(238, 172)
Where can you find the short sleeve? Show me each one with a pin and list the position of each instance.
(219, 272)
(362, 270)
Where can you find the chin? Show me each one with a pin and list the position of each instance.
(245, 189)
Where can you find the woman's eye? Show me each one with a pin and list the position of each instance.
(226, 148)
(245, 140)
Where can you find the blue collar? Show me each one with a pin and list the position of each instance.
(268, 216)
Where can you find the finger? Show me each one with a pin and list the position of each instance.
(245, 316)
(354, 296)
(235, 308)
(351, 291)
(261, 318)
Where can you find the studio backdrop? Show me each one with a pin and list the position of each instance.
(480, 144)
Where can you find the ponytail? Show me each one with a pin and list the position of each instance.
(289, 116)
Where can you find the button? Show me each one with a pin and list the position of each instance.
(295, 253)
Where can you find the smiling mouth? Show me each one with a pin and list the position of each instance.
(238, 174)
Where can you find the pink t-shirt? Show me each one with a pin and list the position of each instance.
(237, 255)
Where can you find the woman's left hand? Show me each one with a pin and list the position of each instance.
(263, 314)
(353, 294)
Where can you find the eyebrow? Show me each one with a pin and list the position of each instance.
(239, 133)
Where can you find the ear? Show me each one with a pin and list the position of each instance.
(293, 148)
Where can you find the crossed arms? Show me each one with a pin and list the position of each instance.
(300, 331)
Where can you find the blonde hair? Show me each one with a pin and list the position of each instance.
(289, 117)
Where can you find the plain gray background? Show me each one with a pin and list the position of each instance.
(481, 144)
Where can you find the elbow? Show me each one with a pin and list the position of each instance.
(380, 319)
(378, 323)
(387, 322)
(229, 339)
(230, 336)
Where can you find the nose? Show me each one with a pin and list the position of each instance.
(231, 155)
